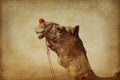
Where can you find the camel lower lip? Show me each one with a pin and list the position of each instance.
(40, 35)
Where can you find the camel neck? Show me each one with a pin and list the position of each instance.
(79, 64)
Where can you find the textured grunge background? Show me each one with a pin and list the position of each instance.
(23, 55)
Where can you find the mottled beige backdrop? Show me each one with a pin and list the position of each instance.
(23, 55)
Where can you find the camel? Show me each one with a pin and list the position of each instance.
(66, 43)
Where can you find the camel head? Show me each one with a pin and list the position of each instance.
(57, 35)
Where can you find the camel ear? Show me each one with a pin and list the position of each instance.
(76, 30)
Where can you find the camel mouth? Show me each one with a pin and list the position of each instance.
(40, 34)
(40, 31)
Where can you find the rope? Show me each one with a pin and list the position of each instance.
(50, 63)
(49, 59)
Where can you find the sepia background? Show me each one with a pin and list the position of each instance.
(23, 56)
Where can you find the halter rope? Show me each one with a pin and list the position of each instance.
(50, 62)
(48, 52)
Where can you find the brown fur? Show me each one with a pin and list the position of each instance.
(70, 50)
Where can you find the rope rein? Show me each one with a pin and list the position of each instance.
(42, 21)
(50, 62)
